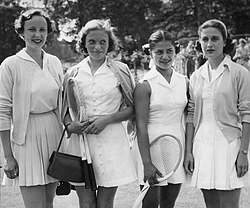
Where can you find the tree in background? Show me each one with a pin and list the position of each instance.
(10, 43)
(134, 19)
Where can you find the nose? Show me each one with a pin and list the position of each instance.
(37, 34)
(97, 46)
(164, 55)
(209, 43)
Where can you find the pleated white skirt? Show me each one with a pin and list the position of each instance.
(215, 157)
(42, 137)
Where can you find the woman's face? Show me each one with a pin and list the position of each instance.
(35, 32)
(212, 42)
(97, 44)
(163, 54)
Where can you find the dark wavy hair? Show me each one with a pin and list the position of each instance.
(27, 15)
(219, 25)
(97, 24)
(163, 35)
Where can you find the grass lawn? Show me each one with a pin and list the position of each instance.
(189, 197)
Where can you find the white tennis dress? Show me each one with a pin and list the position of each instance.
(214, 156)
(110, 152)
(167, 103)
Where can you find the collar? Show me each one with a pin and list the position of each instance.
(154, 74)
(225, 64)
(23, 55)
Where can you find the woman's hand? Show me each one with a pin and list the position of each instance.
(77, 127)
(97, 125)
(150, 174)
(11, 167)
(242, 164)
(189, 163)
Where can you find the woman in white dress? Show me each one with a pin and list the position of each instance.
(160, 100)
(107, 87)
(218, 122)
(30, 102)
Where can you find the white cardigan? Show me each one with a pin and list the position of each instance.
(16, 74)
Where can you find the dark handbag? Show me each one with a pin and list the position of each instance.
(66, 167)
(63, 188)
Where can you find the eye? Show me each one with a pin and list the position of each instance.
(158, 52)
(103, 42)
(91, 42)
(32, 29)
(42, 30)
(170, 51)
(215, 38)
(204, 39)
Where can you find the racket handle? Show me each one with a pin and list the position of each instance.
(86, 145)
(92, 177)
(86, 174)
(141, 196)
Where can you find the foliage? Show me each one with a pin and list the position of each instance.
(135, 19)
(10, 43)
(183, 17)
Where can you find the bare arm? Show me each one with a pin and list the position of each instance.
(242, 163)
(142, 101)
(189, 160)
(11, 167)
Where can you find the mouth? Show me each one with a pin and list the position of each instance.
(37, 41)
(210, 50)
(165, 61)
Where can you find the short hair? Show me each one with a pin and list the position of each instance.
(163, 35)
(97, 24)
(219, 25)
(27, 15)
(242, 40)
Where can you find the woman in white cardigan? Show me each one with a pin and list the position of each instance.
(30, 102)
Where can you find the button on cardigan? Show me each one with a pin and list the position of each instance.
(231, 98)
(16, 74)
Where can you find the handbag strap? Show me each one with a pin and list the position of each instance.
(61, 139)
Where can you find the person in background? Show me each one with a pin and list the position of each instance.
(242, 54)
(30, 106)
(218, 121)
(160, 100)
(107, 88)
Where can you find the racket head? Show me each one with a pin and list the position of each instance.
(73, 98)
(166, 154)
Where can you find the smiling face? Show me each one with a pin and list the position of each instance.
(97, 43)
(35, 32)
(212, 42)
(163, 54)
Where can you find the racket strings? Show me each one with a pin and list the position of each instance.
(165, 154)
(82, 102)
(74, 104)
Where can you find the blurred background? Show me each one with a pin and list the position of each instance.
(135, 21)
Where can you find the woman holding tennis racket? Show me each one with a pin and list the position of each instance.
(106, 87)
(160, 100)
(30, 102)
(218, 122)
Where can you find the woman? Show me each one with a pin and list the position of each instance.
(242, 54)
(107, 87)
(218, 120)
(160, 100)
(30, 102)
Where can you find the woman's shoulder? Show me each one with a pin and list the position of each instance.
(53, 58)
(122, 66)
(11, 62)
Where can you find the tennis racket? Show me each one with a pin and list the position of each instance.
(77, 110)
(166, 154)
